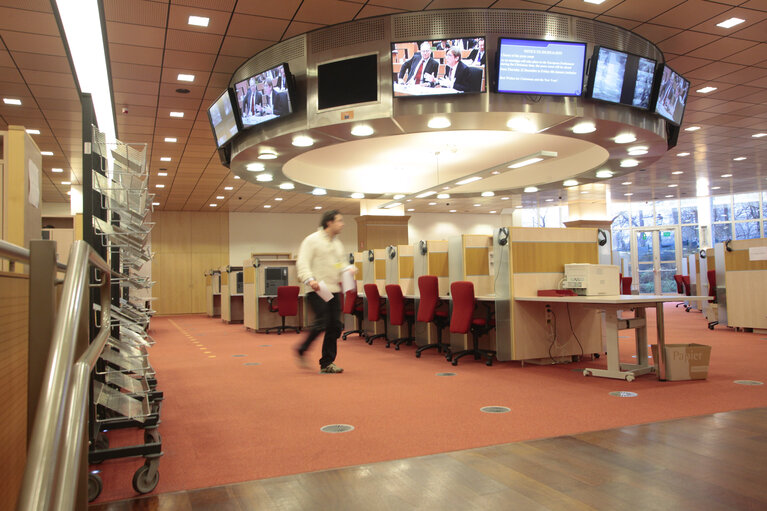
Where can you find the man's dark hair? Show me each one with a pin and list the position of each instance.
(328, 216)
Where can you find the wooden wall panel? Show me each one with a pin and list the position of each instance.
(186, 245)
(476, 261)
(550, 257)
(406, 267)
(438, 264)
(738, 260)
(14, 340)
(380, 269)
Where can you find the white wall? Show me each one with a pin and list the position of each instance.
(56, 209)
(441, 226)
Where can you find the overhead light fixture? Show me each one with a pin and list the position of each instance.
(267, 156)
(264, 177)
(730, 23)
(625, 138)
(584, 192)
(522, 124)
(287, 186)
(549, 200)
(759, 135)
(159, 185)
(12, 101)
(46, 153)
(66, 183)
(162, 174)
(570, 182)
(255, 167)
(531, 189)
(692, 128)
(199, 21)
(69, 192)
(637, 150)
(33, 132)
(488, 194)
(518, 207)
(739, 158)
(392, 205)
(477, 205)
(629, 194)
(213, 205)
(715, 187)
(525, 163)
(410, 209)
(604, 174)
(669, 196)
(155, 204)
(278, 198)
(468, 180)
(317, 207)
(706, 90)
(185, 78)
(399, 196)
(505, 198)
(493, 211)
(362, 130)
(626, 183)
(432, 204)
(726, 175)
(683, 154)
(219, 197)
(165, 158)
(629, 162)
(177, 114)
(228, 188)
(443, 196)
(595, 2)
(172, 140)
(237, 177)
(437, 123)
(584, 127)
(303, 141)
(57, 170)
(677, 172)
(358, 195)
(452, 210)
(673, 185)
(319, 191)
(425, 194)
(267, 206)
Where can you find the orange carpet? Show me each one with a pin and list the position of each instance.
(237, 408)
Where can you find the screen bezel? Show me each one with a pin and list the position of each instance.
(233, 100)
(592, 77)
(485, 68)
(343, 59)
(656, 92)
(290, 83)
(498, 67)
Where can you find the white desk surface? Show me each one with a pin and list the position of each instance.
(611, 299)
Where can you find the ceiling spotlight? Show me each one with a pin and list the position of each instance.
(219, 197)
(159, 185)
(637, 150)
(477, 205)
(628, 194)
(604, 174)
(57, 170)
(522, 124)
(303, 141)
(425, 194)
(278, 198)
(213, 205)
(730, 23)
(531, 189)
(287, 186)
(549, 200)
(677, 172)
(726, 175)
(410, 209)
(267, 156)
(570, 182)
(668, 196)
(228, 188)
(715, 187)
(683, 154)
(443, 196)
(759, 135)
(488, 194)
(399, 196)
(739, 158)
(692, 128)
(706, 90)
(362, 130)
(518, 207)
(437, 123)
(673, 185)
(12, 101)
(236, 177)
(198, 21)
(177, 114)
(33, 132)
(625, 138)
(493, 211)
(468, 180)
(319, 191)
(629, 162)
(171, 139)
(524, 163)
(432, 204)
(584, 127)
(165, 158)
(264, 177)
(358, 195)
(255, 167)
(267, 206)
(155, 204)
(46, 153)
(505, 198)
(185, 78)
(452, 211)
(66, 183)
(626, 183)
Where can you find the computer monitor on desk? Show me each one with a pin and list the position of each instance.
(275, 277)
(592, 279)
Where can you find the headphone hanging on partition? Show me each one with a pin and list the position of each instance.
(601, 237)
(503, 236)
(422, 247)
(371, 256)
(391, 251)
(702, 253)
(351, 257)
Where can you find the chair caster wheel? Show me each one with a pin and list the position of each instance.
(417, 354)
(455, 362)
(396, 347)
(489, 363)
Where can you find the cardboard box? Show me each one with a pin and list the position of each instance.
(684, 361)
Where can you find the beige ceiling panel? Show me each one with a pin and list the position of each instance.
(188, 60)
(65, 118)
(755, 32)
(180, 103)
(268, 29)
(753, 76)
(690, 13)
(33, 43)
(30, 5)
(131, 119)
(370, 11)
(761, 82)
(754, 56)
(179, 19)
(55, 64)
(685, 42)
(656, 33)
(329, 12)
(138, 35)
(132, 54)
(48, 78)
(703, 103)
(226, 64)
(219, 80)
(127, 99)
(620, 22)
(737, 93)
(58, 104)
(134, 110)
(759, 98)
(728, 107)
(298, 28)
(713, 71)
(24, 20)
(642, 10)
(759, 5)
(56, 93)
(572, 12)
(243, 46)
(168, 90)
(186, 40)
(685, 64)
(136, 12)
(134, 86)
(135, 72)
(722, 48)
(284, 9)
(10, 75)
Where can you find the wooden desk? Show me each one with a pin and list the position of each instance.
(610, 305)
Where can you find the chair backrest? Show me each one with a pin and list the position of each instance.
(626, 285)
(287, 300)
(687, 285)
(428, 287)
(396, 304)
(475, 79)
(679, 284)
(462, 293)
(711, 274)
(374, 302)
(350, 297)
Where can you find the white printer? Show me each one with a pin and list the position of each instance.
(592, 279)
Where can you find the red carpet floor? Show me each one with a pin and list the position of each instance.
(237, 407)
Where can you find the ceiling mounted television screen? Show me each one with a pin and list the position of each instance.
(435, 68)
(222, 119)
(264, 96)
(347, 82)
(672, 95)
(619, 77)
(546, 68)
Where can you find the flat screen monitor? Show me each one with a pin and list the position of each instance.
(275, 277)
(623, 78)
(264, 96)
(547, 68)
(435, 68)
(672, 95)
(223, 120)
(347, 82)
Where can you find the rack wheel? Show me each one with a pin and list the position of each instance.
(101, 441)
(95, 484)
(396, 347)
(151, 436)
(586, 372)
(630, 377)
(596, 355)
(145, 479)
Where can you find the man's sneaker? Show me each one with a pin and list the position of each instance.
(331, 369)
(301, 360)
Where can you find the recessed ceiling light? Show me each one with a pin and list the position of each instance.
(162, 174)
(531, 189)
(264, 177)
(165, 158)
(759, 135)
(303, 141)
(637, 150)
(278, 198)
(399, 196)
(525, 163)
(362, 130)
(446, 188)
(66, 183)
(358, 195)
(569, 182)
(584, 192)
(159, 185)
(692, 128)
(504, 198)
(495, 172)
(219, 197)
(425, 194)
(493, 211)
(715, 187)
(443, 195)
(432, 204)
(468, 180)
(33, 132)
(155, 204)
(255, 167)
(319, 191)
(726, 175)
(12, 101)
(237, 177)
(46, 153)
(69, 192)
(625, 138)
(672, 185)
(477, 205)
(683, 154)
(287, 186)
(171, 139)
(626, 183)
(452, 211)
(267, 156)
(595, 2)
(185, 78)
(677, 172)
(668, 196)
(317, 207)
(213, 205)
(628, 194)
(739, 158)
(410, 209)
(629, 162)
(604, 174)
(57, 170)
(267, 206)
(198, 21)
(228, 188)
(488, 194)
(706, 90)
(549, 200)
(437, 123)
(584, 127)
(177, 114)
(518, 207)
(522, 124)
(730, 23)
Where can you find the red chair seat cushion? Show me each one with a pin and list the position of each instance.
(478, 321)
(442, 314)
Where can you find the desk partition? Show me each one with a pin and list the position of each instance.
(258, 290)
(213, 293)
(399, 270)
(430, 257)
(231, 294)
(741, 281)
(373, 272)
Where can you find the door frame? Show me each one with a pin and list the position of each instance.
(656, 230)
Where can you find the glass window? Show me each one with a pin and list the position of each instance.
(690, 241)
(746, 207)
(641, 215)
(529, 217)
(621, 220)
(721, 208)
(689, 213)
(621, 241)
(667, 212)
(722, 232)
(746, 230)
(764, 206)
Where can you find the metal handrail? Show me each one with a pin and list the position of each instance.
(64, 394)
(20, 254)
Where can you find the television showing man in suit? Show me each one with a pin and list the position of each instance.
(458, 75)
(248, 107)
(271, 102)
(264, 96)
(421, 69)
(477, 55)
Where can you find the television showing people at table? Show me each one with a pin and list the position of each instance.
(546, 68)
(222, 119)
(672, 96)
(619, 77)
(264, 96)
(437, 67)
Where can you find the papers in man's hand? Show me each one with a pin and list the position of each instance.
(323, 292)
(347, 279)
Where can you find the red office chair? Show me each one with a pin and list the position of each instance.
(687, 291)
(353, 306)
(626, 285)
(376, 310)
(462, 321)
(679, 287)
(711, 274)
(286, 305)
(399, 314)
(428, 287)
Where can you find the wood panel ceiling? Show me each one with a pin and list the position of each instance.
(150, 43)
